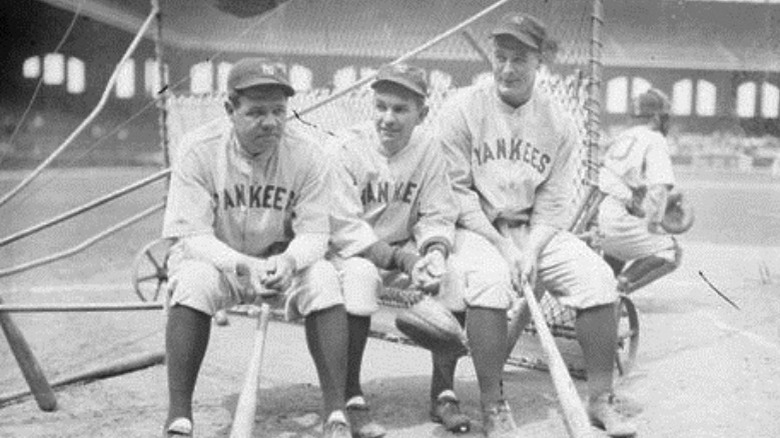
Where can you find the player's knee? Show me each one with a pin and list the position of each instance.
(198, 285)
(360, 283)
(488, 286)
(322, 279)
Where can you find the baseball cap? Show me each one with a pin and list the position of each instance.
(251, 72)
(524, 28)
(407, 76)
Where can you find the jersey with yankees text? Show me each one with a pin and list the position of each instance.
(248, 202)
(513, 163)
(403, 196)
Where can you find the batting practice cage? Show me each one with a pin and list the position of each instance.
(331, 50)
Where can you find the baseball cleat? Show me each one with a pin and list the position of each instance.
(603, 415)
(360, 421)
(179, 427)
(446, 410)
(497, 421)
(336, 427)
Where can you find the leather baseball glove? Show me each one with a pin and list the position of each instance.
(432, 326)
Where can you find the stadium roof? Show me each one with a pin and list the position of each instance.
(695, 34)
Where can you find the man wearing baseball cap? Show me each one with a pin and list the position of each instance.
(248, 214)
(511, 153)
(638, 177)
(395, 177)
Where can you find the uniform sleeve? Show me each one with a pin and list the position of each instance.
(350, 234)
(190, 205)
(310, 224)
(438, 209)
(553, 202)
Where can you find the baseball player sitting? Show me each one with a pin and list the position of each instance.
(510, 149)
(637, 177)
(395, 178)
(249, 210)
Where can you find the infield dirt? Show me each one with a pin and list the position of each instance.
(704, 368)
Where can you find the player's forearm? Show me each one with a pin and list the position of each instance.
(384, 256)
(655, 202)
(477, 222)
(208, 248)
(539, 236)
(307, 248)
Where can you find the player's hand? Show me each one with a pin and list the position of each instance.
(514, 259)
(428, 271)
(252, 273)
(655, 228)
(280, 273)
(522, 264)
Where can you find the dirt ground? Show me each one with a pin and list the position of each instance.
(704, 369)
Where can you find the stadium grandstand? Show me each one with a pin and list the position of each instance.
(719, 60)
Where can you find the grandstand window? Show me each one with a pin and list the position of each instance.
(746, 99)
(706, 96)
(344, 77)
(53, 69)
(770, 100)
(152, 84)
(223, 69)
(681, 97)
(440, 80)
(76, 78)
(201, 78)
(301, 77)
(617, 95)
(125, 80)
(639, 85)
(32, 67)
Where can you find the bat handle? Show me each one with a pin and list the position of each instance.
(244, 421)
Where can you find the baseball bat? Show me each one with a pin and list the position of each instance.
(574, 415)
(244, 420)
(31, 370)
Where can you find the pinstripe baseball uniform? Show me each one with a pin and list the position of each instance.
(638, 157)
(517, 165)
(250, 205)
(405, 197)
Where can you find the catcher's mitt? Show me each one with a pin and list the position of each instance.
(431, 325)
(679, 216)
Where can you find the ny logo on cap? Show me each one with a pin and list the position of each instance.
(268, 69)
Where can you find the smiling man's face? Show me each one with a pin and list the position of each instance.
(514, 70)
(396, 113)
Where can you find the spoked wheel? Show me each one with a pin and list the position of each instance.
(150, 274)
(628, 335)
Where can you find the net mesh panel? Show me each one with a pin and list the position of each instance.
(301, 26)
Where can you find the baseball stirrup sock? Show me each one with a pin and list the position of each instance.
(443, 375)
(186, 338)
(597, 335)
(327, 341)
(358, 327)
(486, 329)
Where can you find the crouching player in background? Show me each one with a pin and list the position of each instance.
(637, 178)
